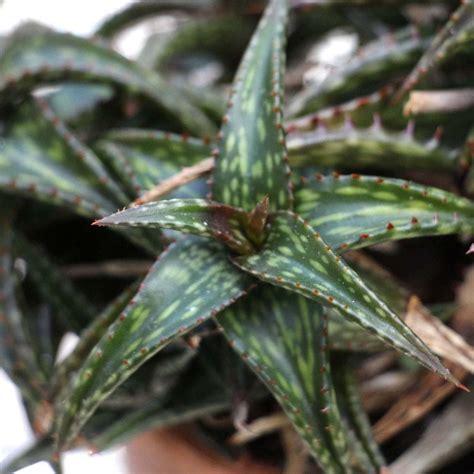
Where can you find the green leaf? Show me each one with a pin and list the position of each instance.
(376, 63)
(37, 161)
(223, 38)
(282, 336)
(143, 158)
(189, 283)
(193, 216)
(295, 257)
(251, 154)
(138, 11)
(34, 58)
(356, 211)
(459, 25)
(70, 305)
(206, 387)
(351, 406)
(71, 100)
(374, 147)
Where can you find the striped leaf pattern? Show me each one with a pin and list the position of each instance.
(356, 211)
(350, 404)
(295, 257)
(251, 156)
(192, 216)
(32, 58)
(283, 338)
(189, 283)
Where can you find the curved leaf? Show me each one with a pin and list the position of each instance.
(461, 21)
(224, 37)
(375, 64)
(34, 58)
(295, 257)
(192, 216)
(138, 11)
(356, 211)
(374, 147)
(35, 160)
(189, 283)
(282, 336)
(251, 154)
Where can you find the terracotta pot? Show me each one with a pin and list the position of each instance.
(179, 451)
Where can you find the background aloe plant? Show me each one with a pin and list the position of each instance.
(257, 222)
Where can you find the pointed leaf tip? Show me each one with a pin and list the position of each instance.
(471, 249)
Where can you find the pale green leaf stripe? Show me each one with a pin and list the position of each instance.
(355, 211)
(191, 281)
(283, 338)
(295, 257)
(193, 216)
(251, 156)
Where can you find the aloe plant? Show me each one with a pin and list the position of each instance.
(261, 282)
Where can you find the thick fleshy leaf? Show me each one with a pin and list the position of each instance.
(37, 161)
(189, 283)
(282, 336)
(144, 158)
(350, 148)
(251, 156)
(210, 384)
(356, 211)
(70, 305)
(191, 216)
(30, 59)
(378, 62)
(461, 22)
(295, 257)
(351, 406)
